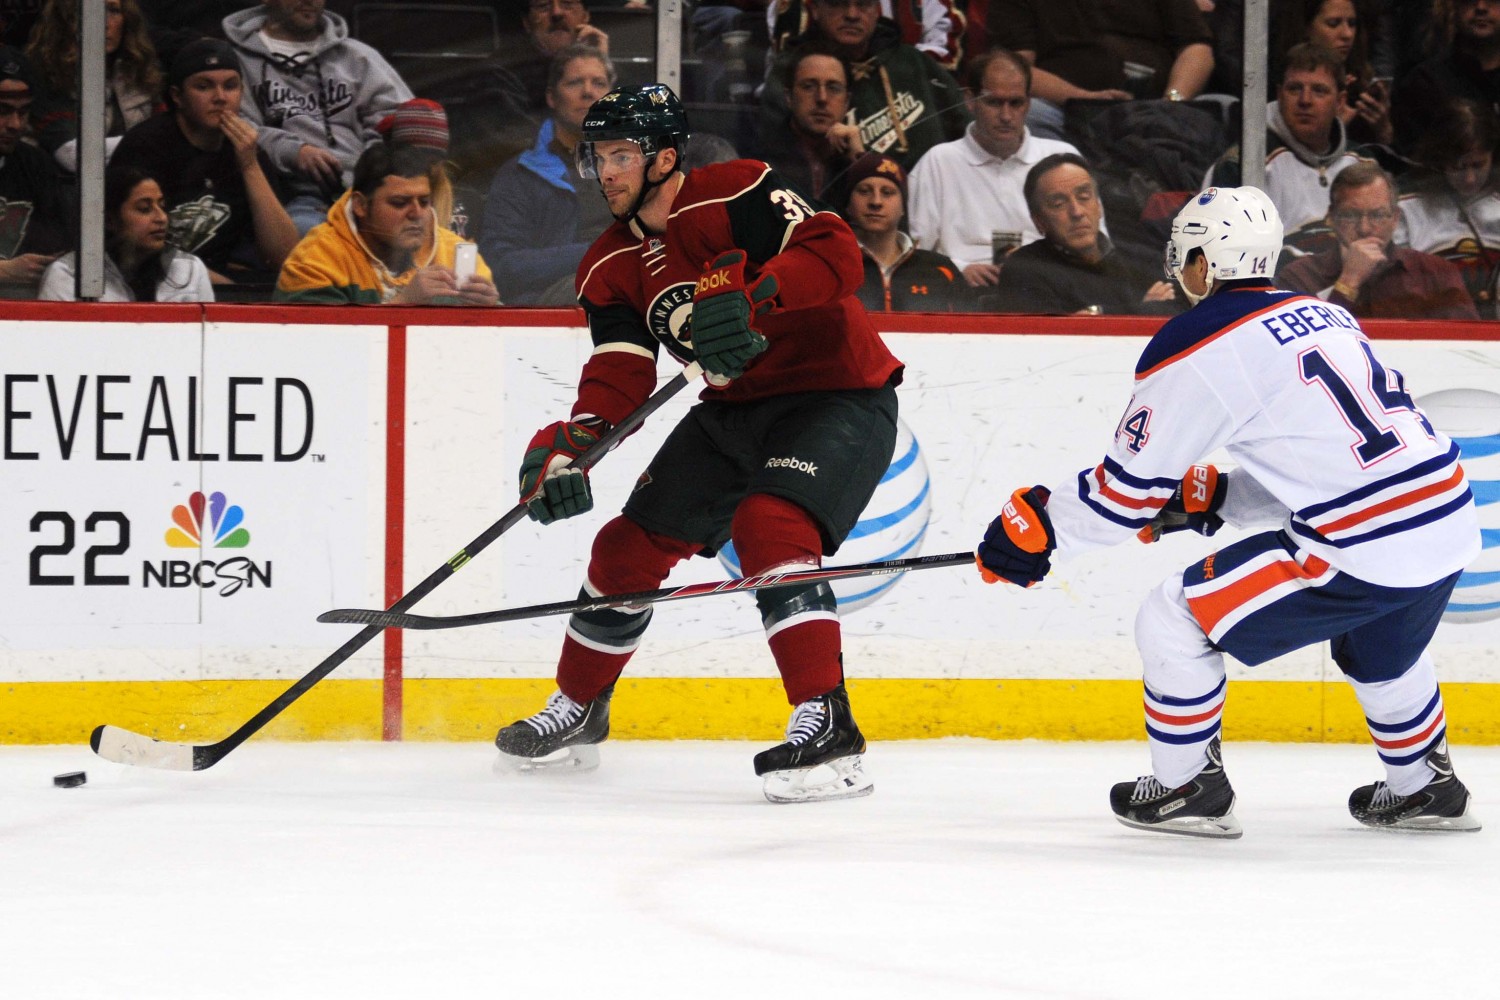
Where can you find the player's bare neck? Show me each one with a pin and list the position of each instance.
(652, 218)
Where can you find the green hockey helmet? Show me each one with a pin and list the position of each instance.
(648, 114)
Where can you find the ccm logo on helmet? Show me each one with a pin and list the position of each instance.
(792, 463)
(717, 279)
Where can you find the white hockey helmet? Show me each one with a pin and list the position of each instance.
(1238, 229)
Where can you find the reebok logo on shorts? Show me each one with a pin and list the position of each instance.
(792, 463)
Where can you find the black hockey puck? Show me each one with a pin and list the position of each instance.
(70, 780)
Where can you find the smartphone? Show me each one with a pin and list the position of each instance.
(465, 257)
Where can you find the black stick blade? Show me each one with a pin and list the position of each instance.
(364, 616)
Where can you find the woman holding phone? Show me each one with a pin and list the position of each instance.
(1344, 26)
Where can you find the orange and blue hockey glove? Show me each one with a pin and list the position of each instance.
(1018, 546)
(1193, 505)
(725, 305)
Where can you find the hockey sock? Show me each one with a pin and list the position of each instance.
(802, 623)
(1406, 720)
(1185, 684)
(626, 558)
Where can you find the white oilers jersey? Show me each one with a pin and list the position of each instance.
(1290, 386)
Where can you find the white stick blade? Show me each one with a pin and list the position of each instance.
(124, 747)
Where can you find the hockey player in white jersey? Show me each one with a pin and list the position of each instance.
(1370, 522)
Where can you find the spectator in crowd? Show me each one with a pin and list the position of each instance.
(1366, 273)
(1306, 146)
(967, 191)
(139, 264)
(315, 94)
(899, 277)
(1468, 65)
(903, 103)
(813, 143)
(541, 214)
(34, 210)
(131, 68)
(545, 28)
(1344, 27)
(381, 243)
(1084, 50)
(423, 125)
(1073, 268)
(220, 188)
(934, 26)
(1452, 207)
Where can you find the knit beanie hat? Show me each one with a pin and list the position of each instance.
(418, 122)
(875, 165)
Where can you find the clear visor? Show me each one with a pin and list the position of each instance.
(1171, 261)
(621, 160)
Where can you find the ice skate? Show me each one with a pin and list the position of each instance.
(1441, 805)
(563, 736)
(1204, 807)
(822, 758)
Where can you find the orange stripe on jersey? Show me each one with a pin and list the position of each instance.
(1183, 720)
(1134, 503)
(1394, 503)
(1410, 740)
(1214, 607)
(1209, 340)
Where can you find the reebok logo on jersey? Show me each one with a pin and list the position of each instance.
(792, 463)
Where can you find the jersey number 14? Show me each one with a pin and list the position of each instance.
(1384, 393)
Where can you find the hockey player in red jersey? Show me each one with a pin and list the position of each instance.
(1370, 520)
(735, 269)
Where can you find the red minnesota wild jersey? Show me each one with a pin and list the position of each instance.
(637, 291)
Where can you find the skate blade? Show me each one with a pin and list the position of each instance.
(1224, 827)
(840, 778)
(1466, 823)
(578, 760)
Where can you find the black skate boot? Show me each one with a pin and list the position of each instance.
(565, 734)
(1204, 807)
(1442, 804)
(822, 757)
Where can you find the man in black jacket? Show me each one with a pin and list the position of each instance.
(1073, 268)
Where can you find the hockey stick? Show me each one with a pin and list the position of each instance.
(395, 619)
(125, 747)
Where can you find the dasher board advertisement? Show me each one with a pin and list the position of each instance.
(185, 486)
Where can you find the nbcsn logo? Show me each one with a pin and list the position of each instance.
(225, 526)
(220, 529)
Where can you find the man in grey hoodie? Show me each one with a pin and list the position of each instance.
(315, 94)
(1306, 147)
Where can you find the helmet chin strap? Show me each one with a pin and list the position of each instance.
(1208, 288)
(647, 186)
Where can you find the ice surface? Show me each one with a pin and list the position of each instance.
(977, 869)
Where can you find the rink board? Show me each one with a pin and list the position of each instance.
(352, 457)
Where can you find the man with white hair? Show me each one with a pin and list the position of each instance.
(1367, 521)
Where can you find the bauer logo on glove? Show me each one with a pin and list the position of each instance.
(1017, 547)
(1193, 506)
